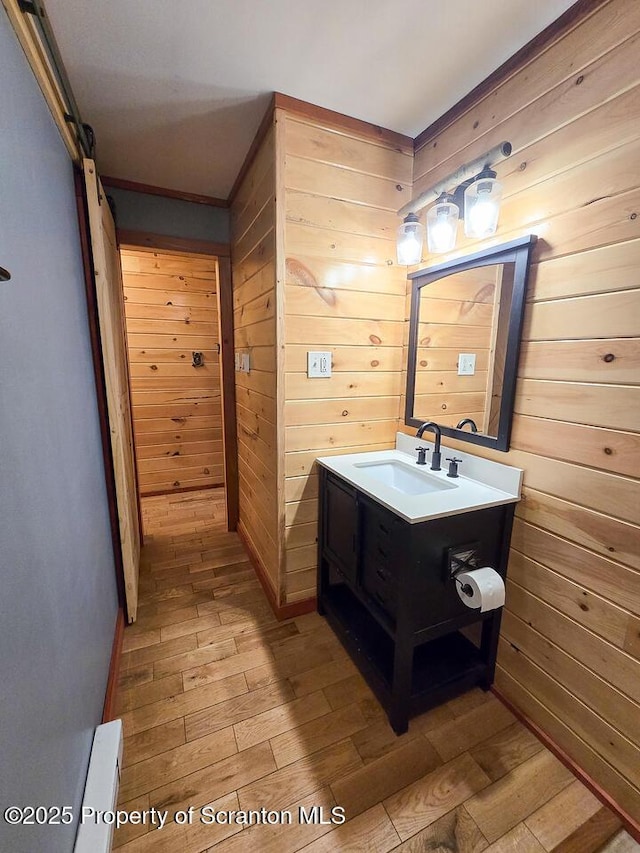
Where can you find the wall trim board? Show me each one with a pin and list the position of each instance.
(228, 390)
(98, 372)
(263, 129)
(148, 240)
(281, 611)
(109, 708)
(150, 189)
(632, 827)
(556, 30)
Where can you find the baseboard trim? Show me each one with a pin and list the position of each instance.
(632, 827)
(109, 707)
(281, 611)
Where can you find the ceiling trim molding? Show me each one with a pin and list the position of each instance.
(150, 189)
(128, 239)
(556, 30)
(340, 121)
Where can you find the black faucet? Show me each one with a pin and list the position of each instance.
(435, 456)
(466, 421)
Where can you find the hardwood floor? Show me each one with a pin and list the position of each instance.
(222, 705)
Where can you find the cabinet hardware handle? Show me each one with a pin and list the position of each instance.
(383, 528)
(382, 552)
(382, 575)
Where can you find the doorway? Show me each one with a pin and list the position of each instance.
(176, 340)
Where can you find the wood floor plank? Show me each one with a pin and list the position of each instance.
(148, 693)
(517, 840)
(466, 731)
(511, 799)
(175, 763)
(283, 837)
(593, 834)
(215, 670)
(322, 676)
(158, 652)
(153, 741)
(379, 779)
(215, 780)
(371, 831)
(193, 838)
(307, 738)
(300, 778)
(553, 822)
(128, 831)
(185, 703)
(269, 724)
(235, 709)
(455, 832)
(196, 657)
(435, 794)
(506, 750)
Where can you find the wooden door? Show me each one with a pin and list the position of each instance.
(110, 299)
(171, 310)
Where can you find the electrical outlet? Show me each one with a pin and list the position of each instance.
(466, 363)
(318, 365)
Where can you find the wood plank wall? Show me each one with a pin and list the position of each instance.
(253, 254)
(171, 310)
(343, 294)
(570, 647)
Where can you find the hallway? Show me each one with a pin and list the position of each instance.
(222, 704)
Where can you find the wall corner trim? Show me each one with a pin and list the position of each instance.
(281, 611)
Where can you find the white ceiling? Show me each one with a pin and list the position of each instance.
(176, 89)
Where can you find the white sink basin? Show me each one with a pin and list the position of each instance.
(404, 479)
(393, 478)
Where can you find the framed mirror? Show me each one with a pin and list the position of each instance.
(464, 341)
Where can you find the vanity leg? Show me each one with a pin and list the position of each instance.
(489, 647)
(401, 686)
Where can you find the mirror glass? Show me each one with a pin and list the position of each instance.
(466, 320)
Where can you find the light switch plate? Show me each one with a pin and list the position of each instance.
(466, 363)
(318, 365)
(245, 366)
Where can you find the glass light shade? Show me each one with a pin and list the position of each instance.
(410, 240)
(442, 225)
(482, 207)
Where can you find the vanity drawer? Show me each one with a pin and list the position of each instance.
(382, 534)
(379, 581)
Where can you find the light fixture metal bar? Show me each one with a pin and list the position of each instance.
(468, 170)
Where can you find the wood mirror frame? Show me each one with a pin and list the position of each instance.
(517, 252)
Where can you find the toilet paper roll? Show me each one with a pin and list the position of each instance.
(483, 588)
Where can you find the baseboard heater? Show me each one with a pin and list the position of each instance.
(101, 789)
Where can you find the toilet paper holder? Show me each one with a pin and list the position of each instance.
(462, 558)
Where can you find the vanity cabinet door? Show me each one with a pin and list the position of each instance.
(341, 526)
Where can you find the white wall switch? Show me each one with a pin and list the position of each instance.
(466, 363)
(246, 363)
(237, 360)
(318, 364)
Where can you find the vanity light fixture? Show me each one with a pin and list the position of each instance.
(471, 193)
(410, 240)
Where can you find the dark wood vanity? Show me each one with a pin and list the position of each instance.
(385, 586)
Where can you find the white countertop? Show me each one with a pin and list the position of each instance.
(482, 483)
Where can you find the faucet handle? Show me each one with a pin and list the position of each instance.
(453, 466)
(422, 455)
